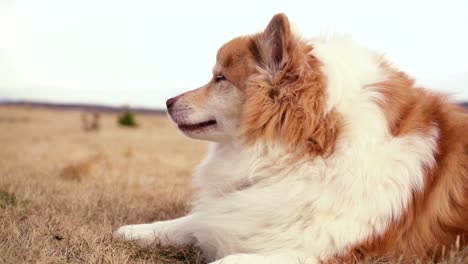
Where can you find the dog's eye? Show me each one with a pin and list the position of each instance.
(219, 78)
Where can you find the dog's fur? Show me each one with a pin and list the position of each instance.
(323, 152)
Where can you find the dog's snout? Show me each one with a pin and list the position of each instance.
(170, 102)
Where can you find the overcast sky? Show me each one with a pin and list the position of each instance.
(141, 52)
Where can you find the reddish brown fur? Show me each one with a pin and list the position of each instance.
(283, 107)
(287, 106)
(439, 215)
(236, 62)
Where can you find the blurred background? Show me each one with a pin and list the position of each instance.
(141, 52)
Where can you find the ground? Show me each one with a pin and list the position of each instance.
(63, 190)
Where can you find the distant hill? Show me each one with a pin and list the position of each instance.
(96, 107)
(84, 107)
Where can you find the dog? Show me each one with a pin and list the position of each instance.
(323, 152)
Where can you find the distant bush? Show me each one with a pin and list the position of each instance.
(7, 199)
(128, 119)
(90, 121)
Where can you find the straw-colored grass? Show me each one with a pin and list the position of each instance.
(64, 190)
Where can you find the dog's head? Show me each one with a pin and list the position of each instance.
(213, 111)
(265, 86)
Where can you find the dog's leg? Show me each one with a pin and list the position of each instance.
(173, 232)
(264, 259)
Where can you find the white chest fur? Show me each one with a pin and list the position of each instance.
(258, 200)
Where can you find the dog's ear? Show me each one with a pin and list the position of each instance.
(277, 35)
(270, 48)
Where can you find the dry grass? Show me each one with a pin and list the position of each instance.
(63, 191)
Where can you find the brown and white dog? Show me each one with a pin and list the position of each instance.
(323, 152)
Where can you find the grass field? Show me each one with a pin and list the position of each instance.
(63, 190)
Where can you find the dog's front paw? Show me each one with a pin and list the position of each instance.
(264, 259)
(239, 259)
(143, 234)
(165, 233)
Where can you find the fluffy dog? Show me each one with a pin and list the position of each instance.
(322, 152)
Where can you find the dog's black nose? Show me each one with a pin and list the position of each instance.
(170, 102)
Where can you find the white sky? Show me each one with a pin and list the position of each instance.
(141, 52)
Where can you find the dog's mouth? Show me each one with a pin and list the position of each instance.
(198, 126)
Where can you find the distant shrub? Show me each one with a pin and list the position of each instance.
(90, 121)
(7, 199)
(128, 119)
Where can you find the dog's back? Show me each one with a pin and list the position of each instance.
(436, 220)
